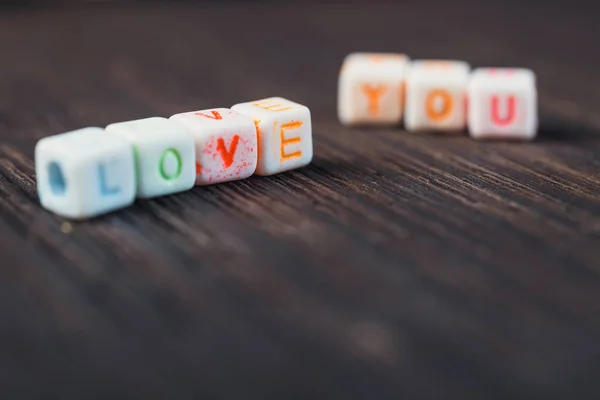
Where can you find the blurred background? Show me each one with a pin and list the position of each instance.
(145, 39)
(197, 296)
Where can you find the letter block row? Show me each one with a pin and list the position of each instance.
(92, 171)
(437, 95)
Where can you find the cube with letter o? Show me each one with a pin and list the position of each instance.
(436, 96)
(164, 155)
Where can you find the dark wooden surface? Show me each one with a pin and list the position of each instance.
(396, 266)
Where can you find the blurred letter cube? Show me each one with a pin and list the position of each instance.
(503, 104)
(436, 96)
(85, 173)
(165, 156)
(371, 88)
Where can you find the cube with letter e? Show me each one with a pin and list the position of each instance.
(284, 134)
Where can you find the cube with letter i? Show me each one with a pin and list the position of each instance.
(284, 133)
(371, 88)
(85, 173)
(436, 96)
(226, 144)
(503, 104)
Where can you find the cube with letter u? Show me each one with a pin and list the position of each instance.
(503, 104)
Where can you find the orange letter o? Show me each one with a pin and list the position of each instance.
(448, 105)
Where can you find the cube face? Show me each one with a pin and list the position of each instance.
(436, 95)
(165, 155)
(85, 173)
(284, 134)
(502, 104)
(371, 88)
(226, 144)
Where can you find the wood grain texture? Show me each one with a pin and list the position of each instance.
(396, 265)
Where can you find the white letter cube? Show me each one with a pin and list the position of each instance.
(503, 104)
(84, 173)
(226, 144)
(284, 134)
(371, 88)
(165, 155)
(436, 96)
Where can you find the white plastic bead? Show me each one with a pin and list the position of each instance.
(436, 95)
(371, 88)
(503, 104)
(284, 134)
(165, 155)
(85, 173)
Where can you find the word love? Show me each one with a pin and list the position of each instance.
(92, 171)
(437, 95)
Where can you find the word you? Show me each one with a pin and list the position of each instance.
(437, 95)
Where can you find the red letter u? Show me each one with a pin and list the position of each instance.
(510, 111)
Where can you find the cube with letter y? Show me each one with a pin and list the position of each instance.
(284, 133)
(371, 88)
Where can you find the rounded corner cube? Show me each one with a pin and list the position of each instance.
(226, 144)
(84, 173)
(436, 95)
(284, 134)
(164, 155)
(503, 104)
(371, 88)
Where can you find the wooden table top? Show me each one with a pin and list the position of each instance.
(395, 266)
